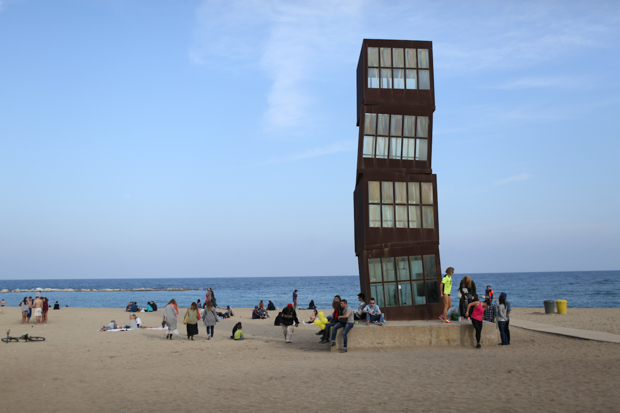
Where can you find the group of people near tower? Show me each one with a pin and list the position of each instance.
(472, 308)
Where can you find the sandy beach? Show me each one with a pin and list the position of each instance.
(79, 368)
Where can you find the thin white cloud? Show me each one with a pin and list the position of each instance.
(543, 82)
(333, 148)
(515, 178)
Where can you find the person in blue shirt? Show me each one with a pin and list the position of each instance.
(373, 313)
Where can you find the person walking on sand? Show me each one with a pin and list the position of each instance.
(171, 311)
(446, 289)
(289, 321)
(295, 299)
(210, 319)
(192, 316)
(37, 306)
(476, 309)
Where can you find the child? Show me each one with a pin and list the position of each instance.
(237, 334)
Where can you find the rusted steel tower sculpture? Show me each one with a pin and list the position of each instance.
(395, 198)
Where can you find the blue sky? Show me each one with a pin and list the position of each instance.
(218, 138)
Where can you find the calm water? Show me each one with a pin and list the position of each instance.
(586, 289)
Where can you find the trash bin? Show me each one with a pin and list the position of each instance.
(549, 306)
(561, 304)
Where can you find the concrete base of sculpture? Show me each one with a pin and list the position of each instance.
(416, 333)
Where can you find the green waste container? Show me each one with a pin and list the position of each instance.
(549, 306)
(561, 304)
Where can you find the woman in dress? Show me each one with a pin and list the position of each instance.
(170, 318)
(210, 319)
(191, 320)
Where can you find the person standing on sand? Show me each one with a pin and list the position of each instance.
(38, 309)
(289, 320)
(46, 307)
(502, 310)
(29, 309)
(170, 318)
(295, 299)
(2, 304)
(446, 289)
(192, 316)
(24, 308)
(507, 329)
(210, 319)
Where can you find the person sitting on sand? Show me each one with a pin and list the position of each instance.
(138, 321)
(237, 334)
(153, 306)
(56, 306)
(229, 311)
(476, 309)
(128, 308)
(271, 306)
(311, 305)
(148, 307)
(313, 316)
(133, 325)
(261, 309)
(256, 314)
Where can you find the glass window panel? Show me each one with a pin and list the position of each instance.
(373, 57)
(369, 147)
(427, 193)
(374, 270)
(409, 149)
(401, 216)
(410, 58)
(404, 294)
(399, 58)
(411, 79)
(399, 79)
(428, 218)
(374, 216)
(389, 272)
(370, 123)
(397, 125)
(388, 216)
(430, 266)
(414, 217)
(386, 57)
(419, 295)
(414, 192)
(422, 126)
(373, 78)
(423, 58)
(382, 147)
(409, 126)
(416, 267)
(425, 80)
(432, 291)
(386, 78)
(383, 127)
(402, 267)
(401, 192)
(374, 196)
(391, 295)
(376, 291)
(387, 192)
(421, 150)
(395, 147)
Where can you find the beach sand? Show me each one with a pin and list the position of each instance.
(80, 369)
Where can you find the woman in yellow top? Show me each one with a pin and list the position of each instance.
(446, 289)
(191, 319)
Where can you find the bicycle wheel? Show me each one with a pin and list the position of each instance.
(30, 338)
(10, 340)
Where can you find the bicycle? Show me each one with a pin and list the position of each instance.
(25, 337)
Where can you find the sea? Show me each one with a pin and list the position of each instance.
(582, 289)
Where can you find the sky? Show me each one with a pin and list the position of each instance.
(219, 139)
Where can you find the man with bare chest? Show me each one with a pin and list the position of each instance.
(38, 309)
